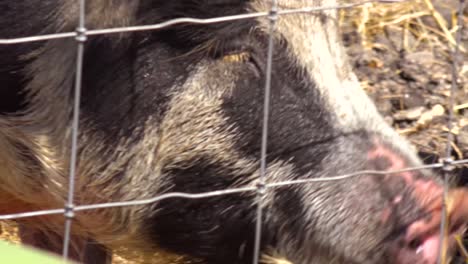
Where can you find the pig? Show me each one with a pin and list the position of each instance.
(180, 109)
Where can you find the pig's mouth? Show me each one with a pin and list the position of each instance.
(424, 243)
(429, 248)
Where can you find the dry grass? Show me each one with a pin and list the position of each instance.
(417, 17)
(9, 232)
(421, 25)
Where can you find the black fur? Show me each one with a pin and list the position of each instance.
(212, 229)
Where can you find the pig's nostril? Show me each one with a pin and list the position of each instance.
(414, 244)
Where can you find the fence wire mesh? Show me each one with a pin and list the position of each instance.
(262, 186)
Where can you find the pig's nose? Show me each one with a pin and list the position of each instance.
(423, 241)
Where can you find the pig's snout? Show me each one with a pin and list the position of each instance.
(423, 241)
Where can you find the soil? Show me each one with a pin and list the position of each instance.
(405, 65)
(409, 75)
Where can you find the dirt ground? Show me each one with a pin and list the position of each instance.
(402, 55)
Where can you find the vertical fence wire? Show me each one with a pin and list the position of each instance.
(448, 161)
(261, 186)
(69, 207)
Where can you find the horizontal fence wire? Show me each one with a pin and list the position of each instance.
(224, 192)
(82, 33)
(188, 20)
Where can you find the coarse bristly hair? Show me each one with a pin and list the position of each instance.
(180, 110)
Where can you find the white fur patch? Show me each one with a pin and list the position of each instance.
(314, 42)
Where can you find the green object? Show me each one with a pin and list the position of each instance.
(18, 254)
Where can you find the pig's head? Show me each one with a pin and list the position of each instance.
(181, 110)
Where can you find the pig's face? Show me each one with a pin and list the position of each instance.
(181, 109)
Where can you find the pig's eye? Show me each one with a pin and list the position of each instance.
(244, 57)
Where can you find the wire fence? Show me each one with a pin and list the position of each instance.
(263, 186)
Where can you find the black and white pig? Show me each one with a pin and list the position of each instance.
(181, 110)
